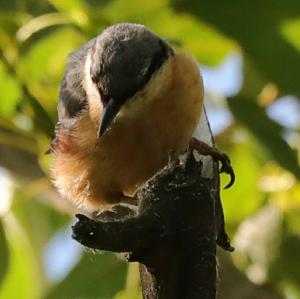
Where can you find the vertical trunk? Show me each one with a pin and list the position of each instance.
(182, 265)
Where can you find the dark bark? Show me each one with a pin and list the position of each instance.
(174, 235)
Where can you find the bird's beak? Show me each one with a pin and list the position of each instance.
(110, 110)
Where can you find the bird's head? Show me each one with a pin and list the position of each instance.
(108, 71)
(120, 63)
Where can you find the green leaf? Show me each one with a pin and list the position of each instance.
(287, 266)
(95, 276)
(290, 29)
(39, 23)
(69, 5)
(133, 289)
(77, 10)
(23, 280)
(9, 22)
(129, 294)
(41, 69)
(10, 93)
(4, 254)
(266, 131)
(244, 193)
(255, 26)
(41, 117)
(42, 65)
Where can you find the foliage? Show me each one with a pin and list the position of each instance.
(263, 206)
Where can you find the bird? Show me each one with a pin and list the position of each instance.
(128, 101)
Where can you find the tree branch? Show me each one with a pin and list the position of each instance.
(173, 236)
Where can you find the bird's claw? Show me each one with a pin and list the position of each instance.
(225, 167)
(207, 150)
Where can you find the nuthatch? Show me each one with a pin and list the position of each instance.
(127, 102)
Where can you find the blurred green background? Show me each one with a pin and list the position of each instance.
(249, 56)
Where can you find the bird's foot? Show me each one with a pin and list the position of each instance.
(206, 150)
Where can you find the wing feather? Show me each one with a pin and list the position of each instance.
(203, 132)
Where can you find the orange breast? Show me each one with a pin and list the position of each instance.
(157, 122)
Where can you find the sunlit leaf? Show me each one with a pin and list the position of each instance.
(69, 5)
(41, 22)
(290, 290)
(129, 294)
(10, 93)
(42, 66)
(119, 11)
(42, 69)
(244, 194)
(290, 29)
(23, 279)
(266, 131)
(40, 116)
(77, 10)
(133, 289)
